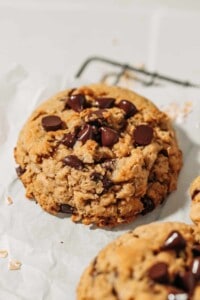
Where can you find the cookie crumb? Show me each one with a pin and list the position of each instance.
(9, 200)
(14, 264)
(3, 253)
(178, 112)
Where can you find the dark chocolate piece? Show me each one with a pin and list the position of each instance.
(105, 102)
(19, 171)
(143, 135)
(159, 273)
(95, 176)
(86, 133)
(195, 268)
(66, 208)
(185, 281)
(107, 183)
(69, 139)
(196, 250)
(73, 161)
(174, 241)
(51, 123)
(77, 102)
(108, 136)
(177, 294)
(148, 205)
(197, 191)
(129, 108)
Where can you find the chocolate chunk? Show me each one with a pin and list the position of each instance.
(73, 161)
(19, 171)
(96, 118)
(177, 294)
(197, 191)
(129, 108)
(195, 268)
(148, 205)
(164, 152)
(174, 241)
(185, 281)
(95, 176)
(51, 123)
(66, 208)
(105, 102)
(143, 135)
(107, 183)
(69, 140)
(77, 102)
(196, 250)
(159, 272)
(108, 136)
(86, 133)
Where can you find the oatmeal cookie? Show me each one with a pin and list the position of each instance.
(100, 153)
(159, 261)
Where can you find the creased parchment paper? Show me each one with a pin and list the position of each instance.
(50, 252)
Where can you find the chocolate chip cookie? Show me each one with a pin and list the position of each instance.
(99, 153)
(195, 196)
(159, 261)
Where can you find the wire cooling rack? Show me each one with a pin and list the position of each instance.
(124, 70)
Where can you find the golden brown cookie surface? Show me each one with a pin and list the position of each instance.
(159, 261)
(103, 154)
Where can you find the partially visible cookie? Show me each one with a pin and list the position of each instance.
(158, 261)
(99, 153)
(195, 196)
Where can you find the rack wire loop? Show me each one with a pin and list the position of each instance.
(151, 76)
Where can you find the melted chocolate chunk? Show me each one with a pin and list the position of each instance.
(195, 268)
(174, 241)
(148, 205)
(108, 136)
(77, 102)
(196, 250)
(197, 191)
(159, 273)
(129, 108)
(87, 133)
(19, 171)
(105, 102)
(185, 281)
(73, 161)
(69, 140)
(66, 208)
(143, 135)
(51, 123)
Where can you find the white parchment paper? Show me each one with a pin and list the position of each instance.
(54, 251)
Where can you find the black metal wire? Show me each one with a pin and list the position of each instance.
(123, 67)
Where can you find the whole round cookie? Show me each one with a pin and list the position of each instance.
(159, 261)
(195, 196)
(102, 154)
